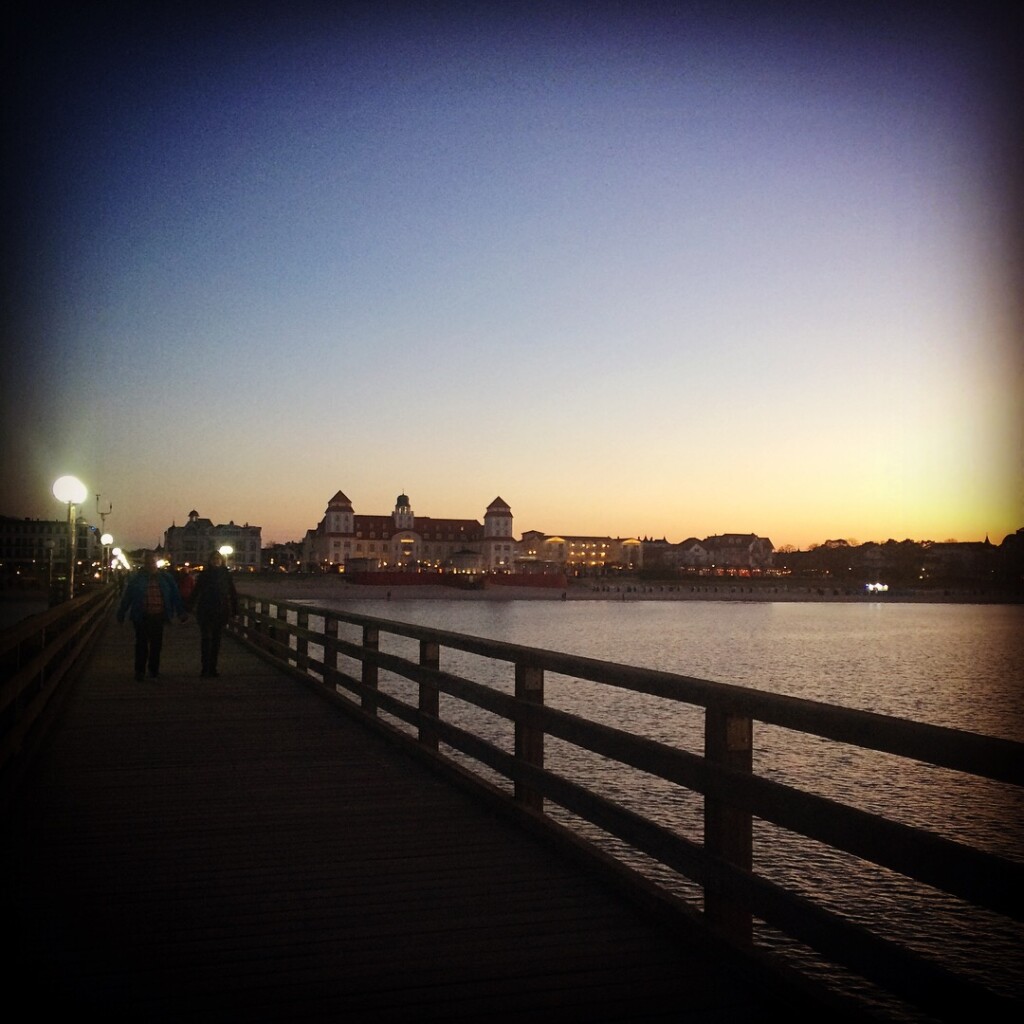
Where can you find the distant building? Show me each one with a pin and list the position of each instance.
(1011, 562)
(739, 551)
(579, 554)
(193, 543)
(282, 557)
(402, 540)
(722, 552)
(977, 560)
(910, 562)
(28, 546)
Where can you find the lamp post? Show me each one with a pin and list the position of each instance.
(71, 490)
(103, 515)
(226, 550)
(49, 571)
(106, 540)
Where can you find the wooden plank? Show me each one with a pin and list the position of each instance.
(212, 849)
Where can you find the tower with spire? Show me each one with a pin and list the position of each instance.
(404, 517)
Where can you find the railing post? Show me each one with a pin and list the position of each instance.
(371, 642)
(430, 657)
(529, 741)
(302, 641)
(281, 644)
(264, 626)
(728, 830)
(248, 618)
(330, 650)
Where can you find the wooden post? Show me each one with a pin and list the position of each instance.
(330, 650)
(371, 642)
(281, 644)
(301, 641)
(728, 830)
(430, 703)
(264, 626)
(529, 741)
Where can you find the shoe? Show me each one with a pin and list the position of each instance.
(154, 675)
(138, 677)
(214, 674)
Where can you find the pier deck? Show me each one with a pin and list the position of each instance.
(238, 849)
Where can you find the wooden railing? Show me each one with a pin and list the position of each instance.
(37, 656)
(733, 796)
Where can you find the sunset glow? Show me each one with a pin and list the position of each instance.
(641, 272)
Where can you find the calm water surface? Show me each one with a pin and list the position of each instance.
(960, 666)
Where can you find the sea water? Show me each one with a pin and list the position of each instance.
(959, 666)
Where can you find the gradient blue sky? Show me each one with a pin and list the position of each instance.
(665, 270)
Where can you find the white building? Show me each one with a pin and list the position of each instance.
(193, 543)
(402, 540)
(579, 554)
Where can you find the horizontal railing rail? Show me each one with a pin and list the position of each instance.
(37, 656)
(733, 796)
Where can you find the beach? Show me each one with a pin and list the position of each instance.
(303, 587)
(16, 605)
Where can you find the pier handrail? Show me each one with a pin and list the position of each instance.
(38, 655)
(733, 795)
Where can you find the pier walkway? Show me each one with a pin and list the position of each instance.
(238, 849)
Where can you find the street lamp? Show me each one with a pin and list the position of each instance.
(49, 572)
(226, 550)
(106, 540)
(71, 490)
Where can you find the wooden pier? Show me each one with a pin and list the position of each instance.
(239, 849)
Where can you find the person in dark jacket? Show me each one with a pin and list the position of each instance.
(214, 601)
(149, 599)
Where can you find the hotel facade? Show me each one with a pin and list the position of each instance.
(347, 541)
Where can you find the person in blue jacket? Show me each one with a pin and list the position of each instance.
(150, 598)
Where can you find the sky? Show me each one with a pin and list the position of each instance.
(662, 270)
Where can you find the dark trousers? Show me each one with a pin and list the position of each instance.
(149, 638)
(210, 628)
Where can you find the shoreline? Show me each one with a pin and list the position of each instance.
(17, 604)
(337, 589)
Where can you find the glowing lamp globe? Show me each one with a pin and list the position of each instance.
(70, 490)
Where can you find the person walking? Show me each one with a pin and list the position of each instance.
(214, 600)
(149, 599)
